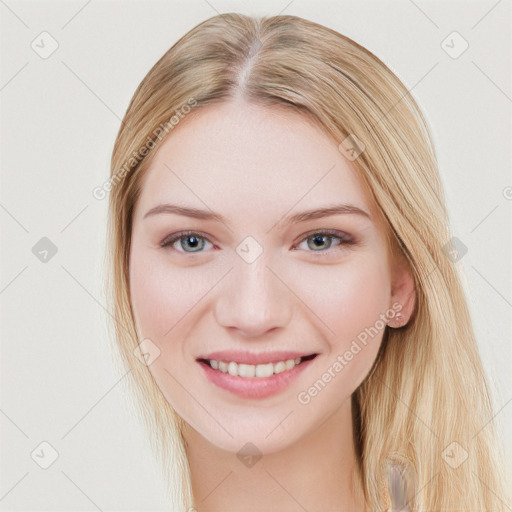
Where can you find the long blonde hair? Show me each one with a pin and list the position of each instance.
(425, 406)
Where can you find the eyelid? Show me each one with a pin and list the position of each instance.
(345, 239)
(169, 240)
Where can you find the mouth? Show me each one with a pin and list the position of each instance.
(254, 381)
(255, 371)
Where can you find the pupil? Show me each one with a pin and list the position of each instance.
(194, 243)
(318, 240)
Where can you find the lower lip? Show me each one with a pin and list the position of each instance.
(254, 387)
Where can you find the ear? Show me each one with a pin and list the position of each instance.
(403, 293)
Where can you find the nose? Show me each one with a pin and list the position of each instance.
(253, 300)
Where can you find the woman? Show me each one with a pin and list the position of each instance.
(296, 335)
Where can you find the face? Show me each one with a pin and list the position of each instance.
(248, 277)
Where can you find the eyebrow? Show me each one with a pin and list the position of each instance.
(304, 216)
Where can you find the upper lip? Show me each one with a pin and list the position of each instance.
(244, 357)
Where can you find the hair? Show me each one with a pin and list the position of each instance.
(427, 388)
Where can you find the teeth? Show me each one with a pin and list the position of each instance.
(232, 368)
(250, 370)
(265, 370)
(246, 370)
(278, 367)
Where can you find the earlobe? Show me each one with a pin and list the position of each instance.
(403, 295)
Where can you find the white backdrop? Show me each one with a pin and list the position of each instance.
(68, 71)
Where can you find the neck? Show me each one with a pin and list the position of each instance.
(316, 474)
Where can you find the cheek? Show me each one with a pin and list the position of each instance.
(165, 300)
(351, 301)
(162, 294)
(154, 309)
(353, 306)
(347, 298)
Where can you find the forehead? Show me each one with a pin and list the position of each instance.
(244, 159)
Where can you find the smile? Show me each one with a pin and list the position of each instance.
(254, 381)
(256, 371)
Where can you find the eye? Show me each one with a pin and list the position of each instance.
(321, 241)
(188, 239)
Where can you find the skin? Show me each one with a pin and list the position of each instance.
(256, 165)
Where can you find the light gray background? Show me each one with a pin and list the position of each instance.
(59, 119)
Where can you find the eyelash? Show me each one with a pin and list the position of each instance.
(345, 240)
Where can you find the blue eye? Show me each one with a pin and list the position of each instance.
(196, 242)
(316, 241)
(187, 239)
